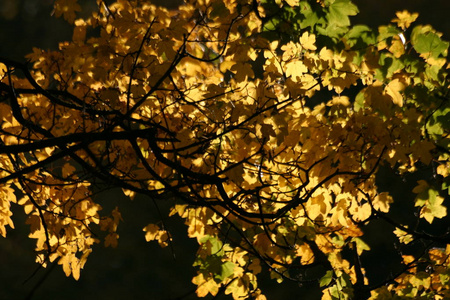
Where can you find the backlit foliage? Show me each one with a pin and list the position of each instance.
(265, 122)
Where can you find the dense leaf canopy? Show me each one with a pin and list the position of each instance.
(265, 124)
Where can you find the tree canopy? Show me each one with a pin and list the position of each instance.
(267, 126)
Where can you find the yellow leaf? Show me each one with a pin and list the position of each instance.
(407, 259)
(84, 257)
(196, 227)
(308, 41)
(65, 262)
(434, 210)
(226, 66)
(163, 238)
(438, 255)
(405, 18)
(339, 211)
(154, 233)
(393, 89)
(295, 69)
(443, 170)
(205, 285)
(343, 81)
(403, 236)
(130, 194)
(361, 212)
(306, 254)
(79, 32)
(258, 296)
(397, 46)
(238, 289)
(340, 100)
(382, 202)
(319, 206)
(292, 2)
(151, 232)
(179, 209)
(76, 268)
(381, 294)
(3, 68)
(326, 54)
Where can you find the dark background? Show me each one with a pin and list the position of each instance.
(137, 269)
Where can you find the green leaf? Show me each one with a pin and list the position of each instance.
(326, 279)
(439, 121)
(444, 278)
(227, 269)
(387, 32)
(388, 66)
(334, 292)
(426, 41)
(311, 16)
(339, 12)
(216, 266)
(446, 185)
(361, 245)
(360, 36)
(432, 194)
(213, 245)
(359, 101)
(271, 25)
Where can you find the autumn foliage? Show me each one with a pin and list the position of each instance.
(265, 123)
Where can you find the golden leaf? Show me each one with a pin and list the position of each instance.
(405, 18)
(394, 89)
(295, 69)
(308, 41)
(292, 2)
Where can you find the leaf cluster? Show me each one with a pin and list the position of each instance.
(263, 123)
